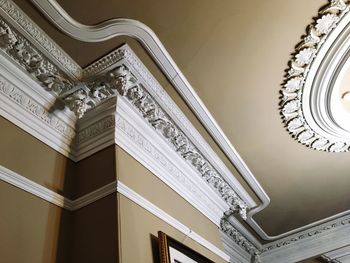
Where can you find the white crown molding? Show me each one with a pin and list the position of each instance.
(238, 238)
(235, 251)
(117, 78)
(24, 104)
(117, 27)
(96, 129)
(341, 255)
(164, 100)
(309, 243)
(144, 203)
(21, 22)
(92, 135)
(156, 155)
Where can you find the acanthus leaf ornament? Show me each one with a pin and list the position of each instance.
(79, 102)
(239, 239)
(120, 80)
(305, 56)
(25, 54)
(326, 23)
(293, 87)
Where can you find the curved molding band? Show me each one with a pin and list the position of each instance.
(97, 131)
(152, 44)
(118, 27)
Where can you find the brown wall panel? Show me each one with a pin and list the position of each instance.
(95, 171)
(95, 232)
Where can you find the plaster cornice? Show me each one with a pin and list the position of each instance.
(118, 27)
(341, 255)
(13, 15)
(121, 76)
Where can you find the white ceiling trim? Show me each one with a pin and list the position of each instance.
(94, 132)
(309, 243)
(24, 104)
(236, 252)
(124, 75)
(305, 101)
(97, 129)
(21, 22)
(83, 96)
(117, 27)
(341, 255)
(138, 139)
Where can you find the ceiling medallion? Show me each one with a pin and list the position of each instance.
(311, 102)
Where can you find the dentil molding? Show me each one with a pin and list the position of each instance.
(306, 101)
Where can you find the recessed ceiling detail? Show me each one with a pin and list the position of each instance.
(311, 102)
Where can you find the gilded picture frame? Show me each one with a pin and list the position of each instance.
(172, 251)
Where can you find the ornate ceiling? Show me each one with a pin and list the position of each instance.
(233, 55)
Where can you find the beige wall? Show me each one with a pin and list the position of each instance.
(138, 233)
(138, 227)
(31, 229)
(29, 157)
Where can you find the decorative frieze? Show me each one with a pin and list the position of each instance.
(311, 233)
(239, 239)
(95, 129)
(83, 96)
(36, 109)
(125, 83)
(28, 57)
(42, 40)
(171, 167)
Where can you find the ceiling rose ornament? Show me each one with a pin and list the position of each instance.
(313, 74)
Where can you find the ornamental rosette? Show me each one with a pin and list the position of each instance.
(297, 73)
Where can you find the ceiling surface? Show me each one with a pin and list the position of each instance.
(234, 54)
